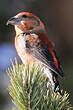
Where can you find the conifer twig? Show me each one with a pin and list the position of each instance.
(28, 90)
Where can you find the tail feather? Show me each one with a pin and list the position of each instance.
(57, 85)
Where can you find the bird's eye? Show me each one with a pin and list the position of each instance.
(24, 16)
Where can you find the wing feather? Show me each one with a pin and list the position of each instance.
(44, 55)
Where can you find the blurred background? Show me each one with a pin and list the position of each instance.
(57, 16)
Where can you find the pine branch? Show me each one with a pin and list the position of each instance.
(28, 89)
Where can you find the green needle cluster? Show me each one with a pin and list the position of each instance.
(29, 92)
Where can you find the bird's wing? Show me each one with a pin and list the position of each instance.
(44, 55)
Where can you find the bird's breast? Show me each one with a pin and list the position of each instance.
(20, 43)
(23, 45)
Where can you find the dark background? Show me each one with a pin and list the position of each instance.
(57, 16)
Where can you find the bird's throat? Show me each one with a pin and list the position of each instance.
(18, 31)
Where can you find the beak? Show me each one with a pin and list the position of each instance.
(12, 21)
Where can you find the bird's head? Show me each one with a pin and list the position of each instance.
(26, 22)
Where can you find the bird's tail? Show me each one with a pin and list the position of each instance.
(57, 85)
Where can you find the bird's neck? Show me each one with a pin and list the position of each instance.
(34, 31)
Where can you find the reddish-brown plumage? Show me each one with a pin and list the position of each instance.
(44, 38)
(32, 44)
(28, 14)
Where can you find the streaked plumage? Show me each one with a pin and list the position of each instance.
(32, 44)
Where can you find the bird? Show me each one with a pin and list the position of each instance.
(33, 45)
